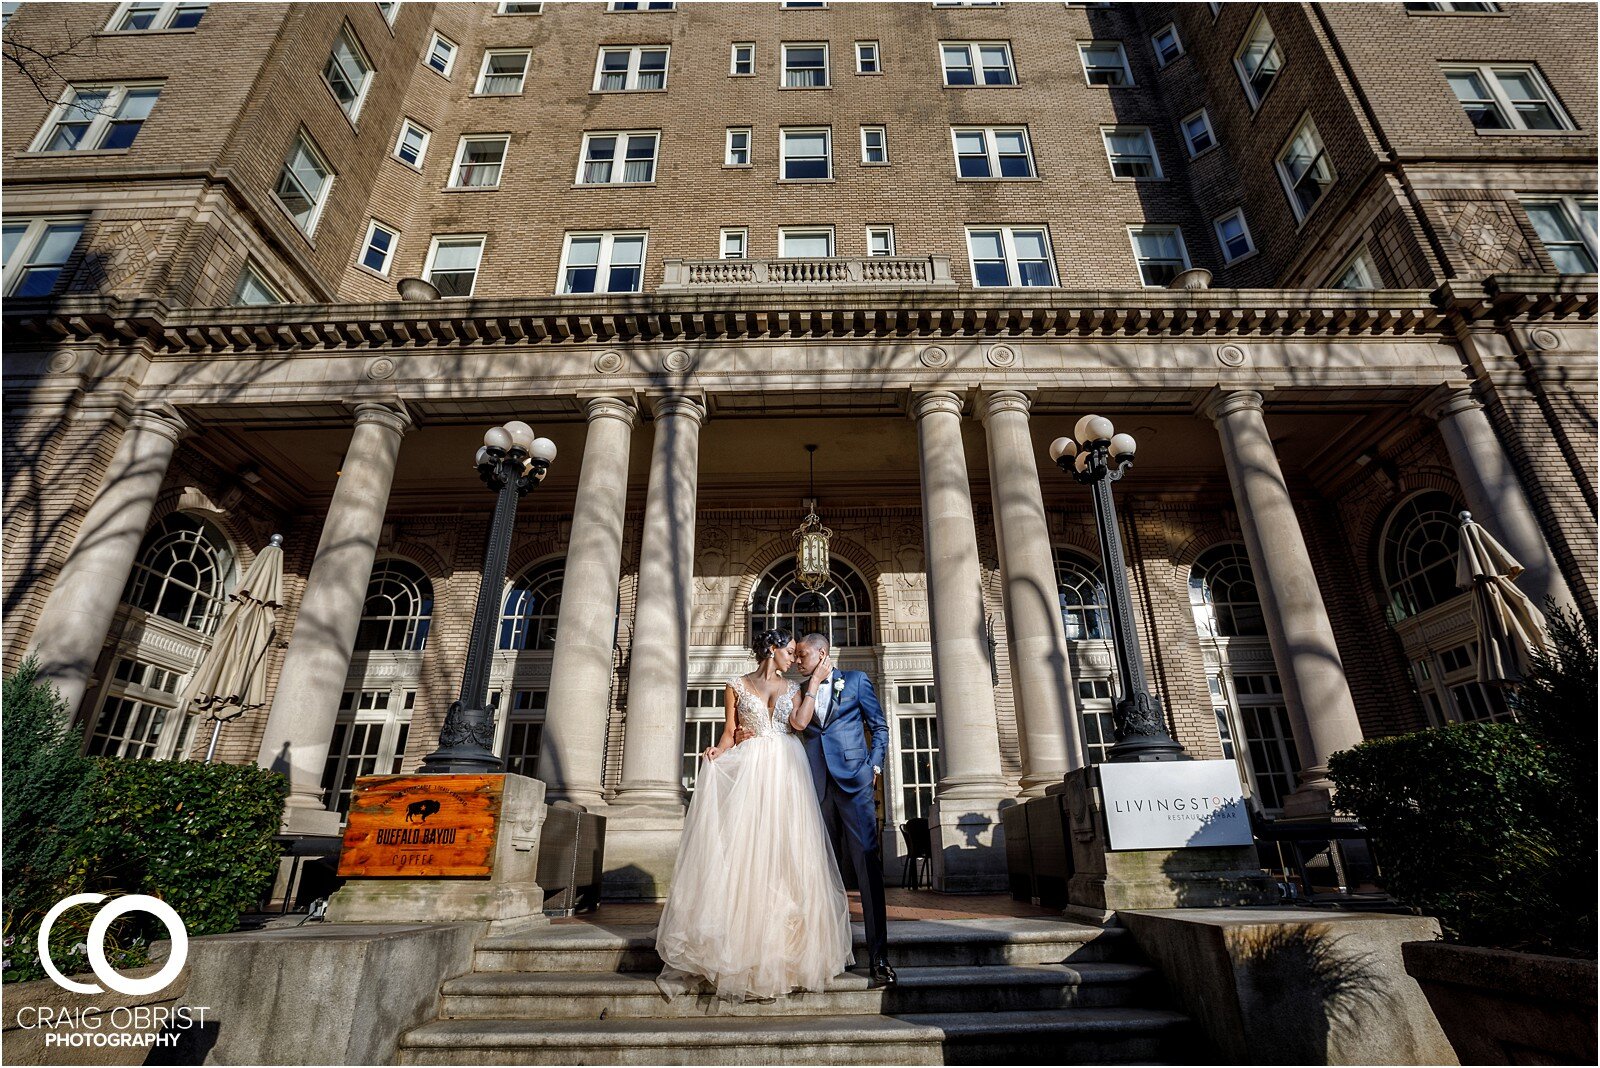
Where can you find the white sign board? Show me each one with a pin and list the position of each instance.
(1174, 804)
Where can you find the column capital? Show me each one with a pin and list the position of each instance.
(390, 415)
(1002, 401)
(678, 405)
(163, 420)
(597, 408)
(940, 400)
(1448, 401)
(1222, 403)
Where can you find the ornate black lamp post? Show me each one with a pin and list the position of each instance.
(511, 462)
(1097, 456)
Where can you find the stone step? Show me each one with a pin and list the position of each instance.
(912, 944)
(610, 995)
(1077, 1036)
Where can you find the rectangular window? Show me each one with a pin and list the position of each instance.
(640, 5)
(36, 250)
(524, 730)
(805, 66)
(1132, 151)
(1357, 272)
(805, 241)
(1010, 256)
(798, 5)
(139, 719)
(347, 73)
(503, 72)
(452, 264)
(369, 738)
(378, 251)
(412, 144)
(90, 118)
(389, 9)
(631, 69)
(1105, 63)
(136, 17)
(1304, 169)
(966, 3)
(1449, 8)
(737, 151)
(702, 726)
(625, 158)
(441, 54)
(1258, 60)
(1094, 712)
(977, 63)
(254, 289)
(742, 60)
(1566, 225)
(735, 243)
(478, 162)
(874, 146)
(1197, 134)
(506, 8)
(303, 184)
(606, 262)
(1233, 236)
(807, 154)
(1159, 252)
(880, 241)
(919, 758)
(1512, 97)
(992, 152)
(1168, 45)
(867, 58)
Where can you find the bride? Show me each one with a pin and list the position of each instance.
(757, 908)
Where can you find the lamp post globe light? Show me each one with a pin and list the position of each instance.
(1097, 456)
(511, 462)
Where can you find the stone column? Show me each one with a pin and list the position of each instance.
(1322, 713)
(306, 703)
(572, 748)
(1494, 494)
(1041, 676)
(652, 757)
(968, 851)
(77, 615)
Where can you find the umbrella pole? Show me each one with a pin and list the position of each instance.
(216, 732)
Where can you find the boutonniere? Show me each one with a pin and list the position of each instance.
(838, 685)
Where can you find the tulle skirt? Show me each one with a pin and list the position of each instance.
(757, 908)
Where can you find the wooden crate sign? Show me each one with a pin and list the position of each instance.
(422, 825)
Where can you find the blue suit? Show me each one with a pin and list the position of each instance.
(842, 758)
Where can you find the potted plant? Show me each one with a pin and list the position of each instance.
(1491, 828)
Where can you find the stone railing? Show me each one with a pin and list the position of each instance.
(898, 272)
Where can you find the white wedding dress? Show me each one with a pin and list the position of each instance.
(757, 908)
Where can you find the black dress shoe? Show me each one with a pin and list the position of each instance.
(882, 973)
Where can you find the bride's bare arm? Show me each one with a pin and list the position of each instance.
(729, 725)
(800, 718)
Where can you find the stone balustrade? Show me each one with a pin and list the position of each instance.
(907, 272)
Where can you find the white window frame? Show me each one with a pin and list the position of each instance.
(733, 59)
(176, 733)
(630, 79)
(1008, 247)
(641, 7)
(603, 264)
(352, 111)
(1359, 260)
(483, 71)
(1222, 245)
(15, 267)
(883, 144)
(1155, 44)
(163, 20)
(1188, 142)
(394, 729)
(991, 147)
(1136, 230)
(389, 11)
(1122, 53)
(373, 225)
(1107, 132)
(783, 151)
(975, 62)
(1571, 207)
(742, 233)
(886, 230)
(434, 41)
(786, 232)
(619, 156)
(1489, 75)
(500, 9)
(877, 57)
(783, 66)
(252, 270)
(1302, 214)
(100, 124)
(1238, 59)
(408, 123)
(461, 151)
(310, 226)
(749, 147)
(433, 254)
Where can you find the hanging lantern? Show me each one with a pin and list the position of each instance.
(811, 555)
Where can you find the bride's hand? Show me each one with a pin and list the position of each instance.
(823, 669)
(712, 752)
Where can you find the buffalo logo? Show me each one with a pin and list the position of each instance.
(421, 810)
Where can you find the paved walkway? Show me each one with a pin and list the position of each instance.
(900, 904)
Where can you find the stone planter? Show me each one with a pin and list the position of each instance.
(1499, 1006)
(416, 289)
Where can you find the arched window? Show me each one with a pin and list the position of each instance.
(841, 609)
(1419, 553)
(398, 609)
(528, 619)
(182, 573)
(1222, 592)
(1084, 609)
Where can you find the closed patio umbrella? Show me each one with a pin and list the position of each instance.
(232, 679)
(1510, 628)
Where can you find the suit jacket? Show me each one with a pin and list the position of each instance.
(840, 749)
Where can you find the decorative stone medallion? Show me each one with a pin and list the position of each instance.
(62, 362)
(608, 363)
(1545, 338)
(933, 356)
(1002, 356)
(677, 361)
(381, 368)
(1230, 356)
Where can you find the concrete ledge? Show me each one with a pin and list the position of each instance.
(1292, 986)
(319, 994)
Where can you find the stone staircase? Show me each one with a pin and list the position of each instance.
(985, 991)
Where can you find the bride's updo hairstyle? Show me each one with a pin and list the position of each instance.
(768, 640)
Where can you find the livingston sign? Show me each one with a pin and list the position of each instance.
(1174, 804)
(422, 825)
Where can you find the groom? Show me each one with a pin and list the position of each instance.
(846, 773)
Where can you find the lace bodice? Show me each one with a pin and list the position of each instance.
(753, 714)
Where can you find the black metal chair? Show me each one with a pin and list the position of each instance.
(918, 864)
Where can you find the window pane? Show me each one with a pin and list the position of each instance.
(992, 273)
(986, 245)
(1030, 244)
(627, 250)
(57, 243)
(583, 251)
(13, 235)
(457, 255)
(806, 244)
